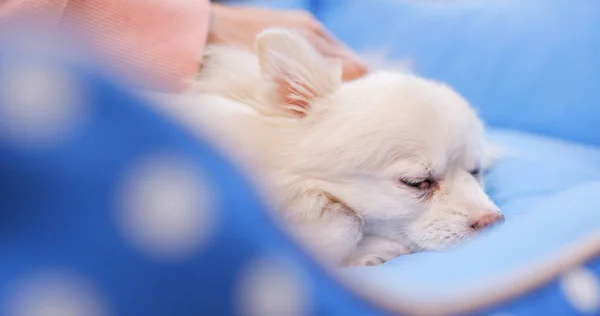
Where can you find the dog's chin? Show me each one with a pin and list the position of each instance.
(450, 240)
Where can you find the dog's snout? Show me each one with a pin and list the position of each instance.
(487, 220)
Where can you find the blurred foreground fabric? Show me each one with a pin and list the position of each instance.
(107, 208)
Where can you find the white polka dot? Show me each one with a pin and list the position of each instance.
(582, 289)
(271, 287)
(39, 103)
(167, 207)
(54, 294)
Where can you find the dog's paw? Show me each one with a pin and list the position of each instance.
(367, 260)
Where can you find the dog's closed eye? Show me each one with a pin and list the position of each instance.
(420, 184)
(475, 172)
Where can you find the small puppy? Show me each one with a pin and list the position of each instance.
(364, 171)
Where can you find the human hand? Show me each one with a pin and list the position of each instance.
(240, 25)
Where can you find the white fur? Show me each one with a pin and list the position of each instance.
(330, 155)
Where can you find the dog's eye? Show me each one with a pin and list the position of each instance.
(475, 172)
(418, 183)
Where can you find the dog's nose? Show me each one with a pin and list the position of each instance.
(487, 220)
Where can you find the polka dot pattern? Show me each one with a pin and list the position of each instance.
(55, 294)
(581, 288)
(271, 287)
(41, 104)
(167, 208)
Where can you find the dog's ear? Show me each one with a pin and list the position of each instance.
(296, 72)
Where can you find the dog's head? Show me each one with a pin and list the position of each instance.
(404, 153)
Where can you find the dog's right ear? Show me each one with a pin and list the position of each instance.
(296, 72)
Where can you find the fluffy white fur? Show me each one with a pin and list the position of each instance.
(337, 160)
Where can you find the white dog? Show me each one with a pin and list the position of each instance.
(365, 171)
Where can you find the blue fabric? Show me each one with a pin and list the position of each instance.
(62, 233)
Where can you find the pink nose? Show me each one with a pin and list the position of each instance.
(487, 220)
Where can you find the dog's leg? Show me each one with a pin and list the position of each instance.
(374, 250)
(334, 234)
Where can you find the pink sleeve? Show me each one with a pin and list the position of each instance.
(16, 8)
(159, 42)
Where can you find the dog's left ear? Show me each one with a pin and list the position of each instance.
(297, 73)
